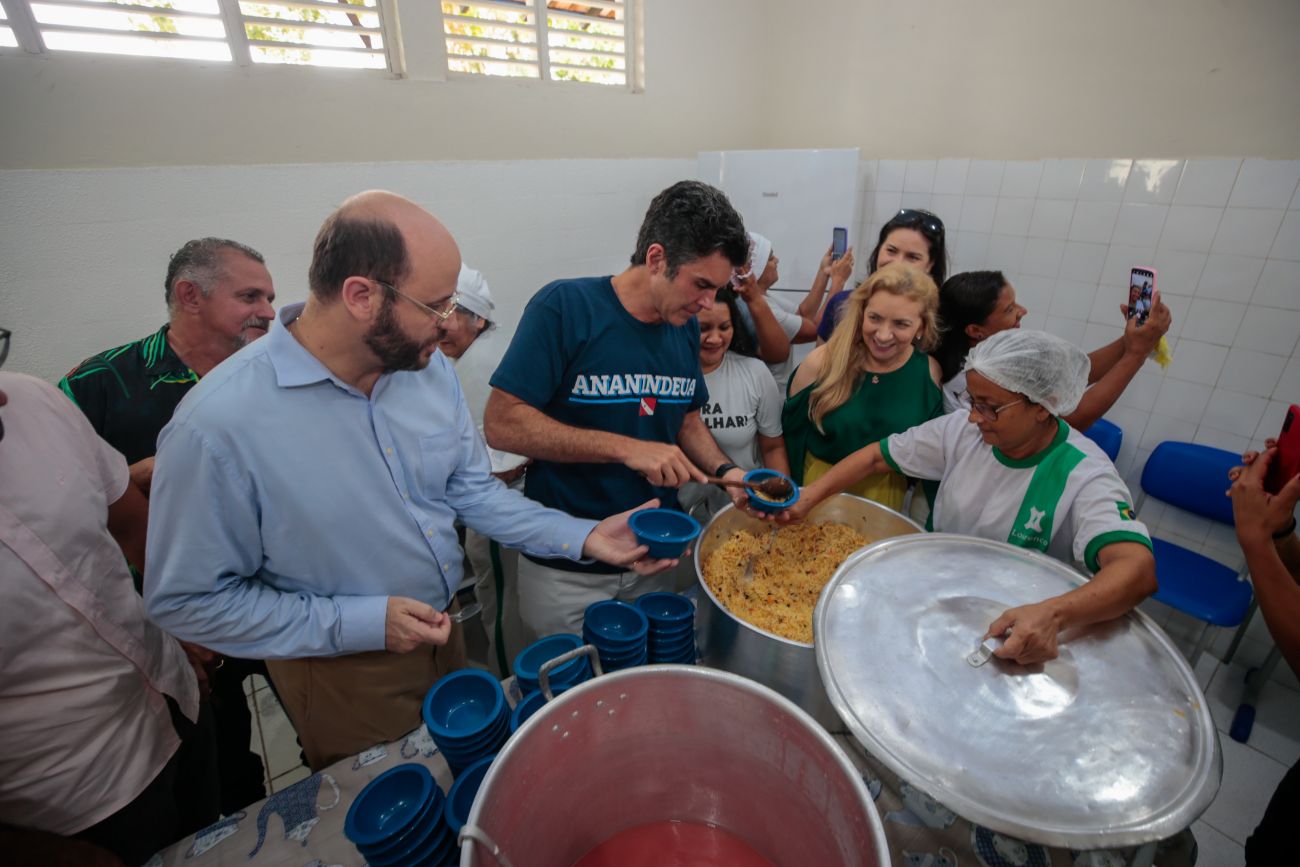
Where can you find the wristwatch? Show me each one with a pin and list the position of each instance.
(724, 469)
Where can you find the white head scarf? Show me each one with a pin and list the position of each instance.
(474, 295)
(760, 249)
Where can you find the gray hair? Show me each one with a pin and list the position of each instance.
(199, 262)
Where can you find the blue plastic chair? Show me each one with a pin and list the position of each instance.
(1108, 435)
(1194, 478)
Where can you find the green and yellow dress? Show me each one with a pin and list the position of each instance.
(882, 404)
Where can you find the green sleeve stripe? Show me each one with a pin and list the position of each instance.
(889, 459)
(66, 388)
(1110, 538)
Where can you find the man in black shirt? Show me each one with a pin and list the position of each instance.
(219, 296)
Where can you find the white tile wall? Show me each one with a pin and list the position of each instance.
(1224, 235)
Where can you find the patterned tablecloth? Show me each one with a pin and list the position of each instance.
(302, 825)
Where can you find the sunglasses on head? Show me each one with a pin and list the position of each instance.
(928, 222)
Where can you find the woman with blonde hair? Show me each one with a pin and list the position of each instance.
(873, 378)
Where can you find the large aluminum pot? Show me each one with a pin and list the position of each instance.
(789, 667)
(668, 742)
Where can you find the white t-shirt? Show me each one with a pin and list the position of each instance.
(474, 368)
(790, 322)
(744, 401)
(85, 724)
(1067, 500)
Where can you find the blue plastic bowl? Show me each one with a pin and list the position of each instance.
(481, 744)
(529, 705)
(669, 648)
(762, 474)
(568, 679)
(673, 634)
(460, 799)
(633, 663)
(666, 532)
(433, 849)
(417, 830)
(615, 624)
(389, 804)
(622, 651)
(612, 647)
(530, 660)
(666, 610)
(674, 656)
(463, 704)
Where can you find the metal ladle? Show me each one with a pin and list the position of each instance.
(777, 488)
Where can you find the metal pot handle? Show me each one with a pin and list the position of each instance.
(544, 673)
(479, 836)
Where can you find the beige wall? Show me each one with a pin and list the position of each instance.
(1014, 79)
(898, 78)
(85, 111)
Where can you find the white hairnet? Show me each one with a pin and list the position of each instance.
(474, 294)
(1049, 371)
(760, 249)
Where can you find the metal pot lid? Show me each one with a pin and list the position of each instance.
(1111, 744)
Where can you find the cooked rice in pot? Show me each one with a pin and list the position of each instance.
(787, 580)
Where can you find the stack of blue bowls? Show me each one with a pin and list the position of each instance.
(529, 662)
(619, 633)
(672, 627)
(398, 820)
(460, 798)
(467, 714)
(529, 705)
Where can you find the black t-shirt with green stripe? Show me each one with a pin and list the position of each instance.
(130, 392)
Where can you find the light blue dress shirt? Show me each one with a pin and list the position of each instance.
(287, 506)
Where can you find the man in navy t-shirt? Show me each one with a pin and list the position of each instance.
(602, 387)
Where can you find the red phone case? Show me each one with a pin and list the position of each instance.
(1286, 462)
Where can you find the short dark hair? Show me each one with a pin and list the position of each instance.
(199, 262)
(930, 227)
(965, 299)
(692, 220)
(349, 246)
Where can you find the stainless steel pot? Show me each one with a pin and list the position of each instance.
(789, 667)
(672, 742)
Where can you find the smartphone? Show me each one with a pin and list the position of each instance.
(1141, 286)
(1286, 463)
(839, 243)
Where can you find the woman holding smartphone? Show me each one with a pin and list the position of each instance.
(913, 237)
(976, 305)
(873, 378)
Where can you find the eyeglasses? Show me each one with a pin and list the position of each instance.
(442, 312)
(917, 217)
(989, 411)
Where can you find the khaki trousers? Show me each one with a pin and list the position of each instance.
(554, 600)
(341, 705)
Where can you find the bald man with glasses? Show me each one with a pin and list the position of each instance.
(306, 492)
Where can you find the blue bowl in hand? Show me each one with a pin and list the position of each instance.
(765, 505)
(666, 532)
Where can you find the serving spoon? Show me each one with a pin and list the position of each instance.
(775, 487)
